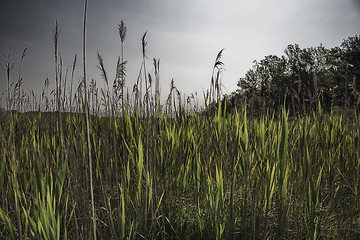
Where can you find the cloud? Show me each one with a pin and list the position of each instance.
(186, 35)
(357, 4)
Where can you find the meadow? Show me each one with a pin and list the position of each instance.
(109, 164)
(184, 177)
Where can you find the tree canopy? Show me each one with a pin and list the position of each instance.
(303, 77)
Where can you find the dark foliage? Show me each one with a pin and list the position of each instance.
(303, 77)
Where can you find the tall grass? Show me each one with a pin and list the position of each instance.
(227, 178)
(146, 171)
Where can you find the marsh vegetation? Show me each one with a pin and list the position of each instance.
(113, 164)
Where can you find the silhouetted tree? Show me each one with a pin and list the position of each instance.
(303, 77)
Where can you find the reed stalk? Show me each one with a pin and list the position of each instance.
(88, 125)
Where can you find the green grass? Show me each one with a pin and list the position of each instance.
(219, 178)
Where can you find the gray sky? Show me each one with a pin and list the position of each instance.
(186, 35)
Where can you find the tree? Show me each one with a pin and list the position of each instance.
(303, 77)
(351, 58)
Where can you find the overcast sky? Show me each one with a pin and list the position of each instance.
(186, 35)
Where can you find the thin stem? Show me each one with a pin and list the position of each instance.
(87, 125)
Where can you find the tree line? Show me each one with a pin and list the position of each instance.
(301, 79)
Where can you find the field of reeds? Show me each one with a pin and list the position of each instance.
(113, 165)
(192, 176)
